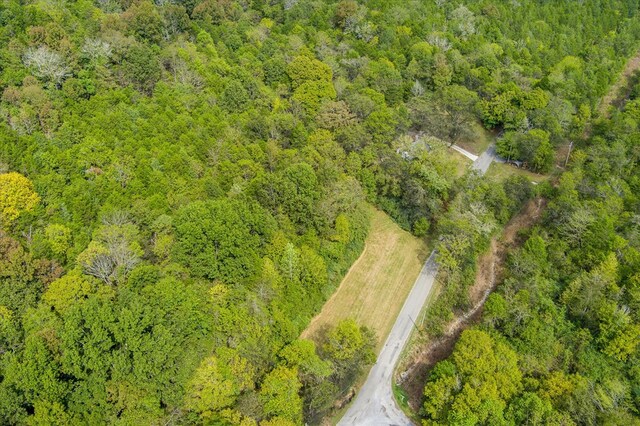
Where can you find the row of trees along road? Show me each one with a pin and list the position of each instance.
(559, 341)
(182, 183)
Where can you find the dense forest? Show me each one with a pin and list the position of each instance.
(558, 342)
(183, 183)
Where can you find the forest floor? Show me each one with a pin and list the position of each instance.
(422, 357)
(376, 286)
(620, 91)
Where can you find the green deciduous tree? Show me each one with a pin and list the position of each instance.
(64, 292)
(477, 384)
(234, 97)
(221, 239)
(304, 69)
(279, 394)
(217, 383)
(350, 347)
(141, 67)
(532, 147)
(58, 238)
(16, 196)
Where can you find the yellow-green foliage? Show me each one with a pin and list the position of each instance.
(16, 196)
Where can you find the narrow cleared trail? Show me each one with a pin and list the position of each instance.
(416, 366)
(621, 89)
(375, 404)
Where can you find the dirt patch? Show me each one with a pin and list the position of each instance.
(528, 216)
(489, 273)
(562, 155)
(485, 275)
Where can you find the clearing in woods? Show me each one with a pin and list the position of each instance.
(376, 286)
(501, 171)
(619, 92)
(478, 140)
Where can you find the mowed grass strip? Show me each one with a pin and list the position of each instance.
(462, 162)
(376, 286)
(502, 171)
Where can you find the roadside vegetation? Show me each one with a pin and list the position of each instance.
(183, 184)
(376, 286)
(430, 345)
(558, 342)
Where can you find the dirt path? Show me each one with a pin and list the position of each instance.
(621, 89)
(489, 272)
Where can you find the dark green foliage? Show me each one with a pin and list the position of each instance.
(141, 68)
(566, 312)
(234, 97)
(532, 147)
(202, 168)
(221, 239)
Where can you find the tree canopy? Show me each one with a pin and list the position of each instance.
(559, 340)
(184, 183)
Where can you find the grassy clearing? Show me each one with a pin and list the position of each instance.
(462, 162)
(376, 286)
(501, 171)
(479, 140)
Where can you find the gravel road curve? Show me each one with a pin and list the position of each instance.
(375, 404)
(485, 159)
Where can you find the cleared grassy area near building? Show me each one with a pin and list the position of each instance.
(501, 171)
(478, 140)
(462, 162)
(376, 286)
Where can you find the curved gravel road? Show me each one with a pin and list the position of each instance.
(375, 404)
(485, 159)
